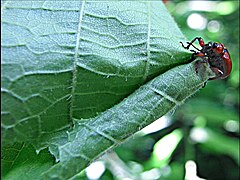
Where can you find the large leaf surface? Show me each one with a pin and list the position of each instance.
(90, 139)
(64, 60)
(68, 61)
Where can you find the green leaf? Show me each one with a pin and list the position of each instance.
(65, 62)
(20, 160)
(90, 139)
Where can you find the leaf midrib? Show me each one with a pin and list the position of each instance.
(148, 44)
(74, 77)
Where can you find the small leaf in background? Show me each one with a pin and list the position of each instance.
(160, 157)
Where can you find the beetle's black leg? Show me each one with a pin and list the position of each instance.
(185, 47)
(204, 84)
(193, 46)
(191, 43)
(194, 54)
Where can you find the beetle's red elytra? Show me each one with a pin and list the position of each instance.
(216, 54)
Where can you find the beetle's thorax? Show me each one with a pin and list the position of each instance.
(214, 59)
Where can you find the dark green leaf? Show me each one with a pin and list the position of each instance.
(20, 160)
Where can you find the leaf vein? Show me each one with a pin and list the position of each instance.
(74, 78)
(148, 45)
(163, 94)
(100, 133)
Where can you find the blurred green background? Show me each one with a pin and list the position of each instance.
(201, 138)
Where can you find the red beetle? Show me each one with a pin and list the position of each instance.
(216, 55)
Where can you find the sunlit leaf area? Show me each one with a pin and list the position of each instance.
(104, 90)
(200, 139)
